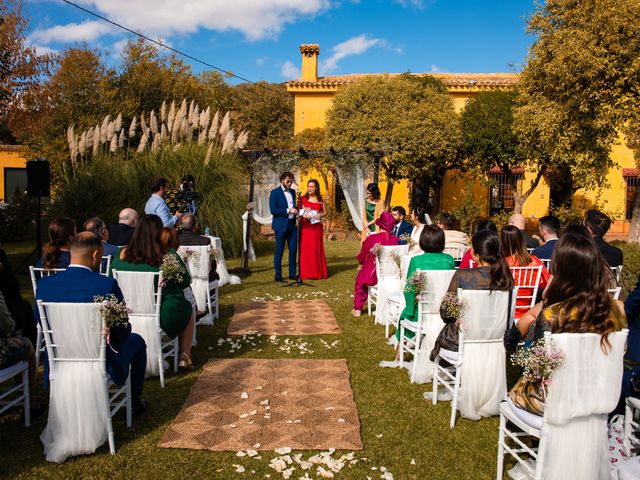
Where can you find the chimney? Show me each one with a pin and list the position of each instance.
(310, 52)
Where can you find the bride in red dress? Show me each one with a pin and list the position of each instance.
(313, 264)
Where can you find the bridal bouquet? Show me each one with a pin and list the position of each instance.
(113, 311)
(171, 268)
(538, 363)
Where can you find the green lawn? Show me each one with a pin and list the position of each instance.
(398, 425)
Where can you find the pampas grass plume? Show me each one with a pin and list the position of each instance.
(225, 126)
(132, 127)
(163, 111)
(143, 142)
(171, 116)
(118, 123)
(213, 131)
(207, 157)
(154, 123)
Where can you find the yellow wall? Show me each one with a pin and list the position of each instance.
(10, 157)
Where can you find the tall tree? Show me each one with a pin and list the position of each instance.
(412, 126)
(580, 86)
(266, 111)
(488, 139)
(23, 74)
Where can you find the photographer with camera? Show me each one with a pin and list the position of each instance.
(182, 199)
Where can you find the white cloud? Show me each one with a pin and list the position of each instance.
(434, 69)
(71, 32)
(354, 46)
(290, 71)
(40, 50)
(417, 4)
(261, 61)
(255, 19)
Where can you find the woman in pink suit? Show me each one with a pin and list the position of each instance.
(367, 275)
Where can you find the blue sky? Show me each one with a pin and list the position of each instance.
(259, 39)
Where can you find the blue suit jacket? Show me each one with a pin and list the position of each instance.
(545, 251)
(279, 208)
(405, 228)
(79, 285)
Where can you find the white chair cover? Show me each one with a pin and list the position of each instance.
(139, 290)
(389, 277)
(584, 390)
(483, 374)
(221, 268)
(429, 307)
(198, 264)
(78, 409)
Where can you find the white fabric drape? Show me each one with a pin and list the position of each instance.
(266, 179)
(139, 290)
(221, 268)
(429, 308)
(352, 184)
(583, 392)
(483, 375)
(198, 265)
(389, 278)
(78, 408)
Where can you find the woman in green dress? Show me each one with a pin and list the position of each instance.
(144, 253)
(373, 208)
(432, 244)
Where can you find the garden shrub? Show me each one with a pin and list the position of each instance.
(17, 219)
(631, 269)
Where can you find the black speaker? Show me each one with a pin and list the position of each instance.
(38, 178)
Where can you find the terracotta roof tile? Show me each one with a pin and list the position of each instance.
(12, 148)
(449, 79)
(631, 172)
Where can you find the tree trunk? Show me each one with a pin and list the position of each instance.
(634, 231)
(388, 194)
(518, 200)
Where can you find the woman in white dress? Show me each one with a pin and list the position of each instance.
(420, 218)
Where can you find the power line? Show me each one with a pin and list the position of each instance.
(148, 39)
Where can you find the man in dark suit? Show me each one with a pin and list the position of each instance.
(283, 208)
(120, 233)
(400, 225)
(79, 283)
(187, 236)
(549, 229)
(598, 224)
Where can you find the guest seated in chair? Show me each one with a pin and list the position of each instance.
(14, 349)
(145, 253)
(432, 243)
(453, 238)
(55, 253)
(480, 224)
(366, 258)
(80, 283)
(576, 301)
(99, 228)
(120, 233)
(492, 273)
(188, 236)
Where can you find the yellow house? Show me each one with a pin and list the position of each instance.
(13, 171)
(313, 95)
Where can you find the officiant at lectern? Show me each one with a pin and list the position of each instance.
(282, 207)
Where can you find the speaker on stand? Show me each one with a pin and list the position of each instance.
(38, 186)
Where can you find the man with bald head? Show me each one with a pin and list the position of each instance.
(80, 283)
(120, 233)
(518, 221)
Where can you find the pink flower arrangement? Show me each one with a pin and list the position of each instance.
(538, 362)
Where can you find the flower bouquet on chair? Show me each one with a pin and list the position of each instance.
(538, 363)
(113, 312)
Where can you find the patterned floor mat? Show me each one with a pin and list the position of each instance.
(267, 404)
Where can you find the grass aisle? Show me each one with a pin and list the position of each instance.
(398, 425)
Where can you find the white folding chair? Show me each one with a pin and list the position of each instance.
(631, 426)
(36, 274)
(395, 300)
(480, 359)
(617, 273)
(76, 351)
(15, 394)
(583, 391)
(615, 292)
(143, 295)
(389, 277)
(527, 279)
(456, 252)
(547, 263)
(197, 261)
(429, 323)
(105, 265)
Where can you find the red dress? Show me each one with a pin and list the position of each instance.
(313, 264)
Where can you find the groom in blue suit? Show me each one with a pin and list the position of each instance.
(283, 208)
(79, 283)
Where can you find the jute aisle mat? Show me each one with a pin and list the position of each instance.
(293, 317)
(267, 404)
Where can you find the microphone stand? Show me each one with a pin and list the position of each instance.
(298, 281)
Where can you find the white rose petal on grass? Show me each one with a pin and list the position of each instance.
(386, 476)
(256, 445)
(379, 435)
(239, 468)
(244, 395)
(240, 454)
(324, 473)
(413, 462)
(282, 450)
(287, 473)
(252, 453)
